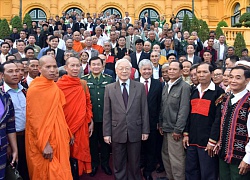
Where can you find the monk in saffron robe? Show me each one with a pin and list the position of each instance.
(77, 45)
(78, 113)
(47, 133)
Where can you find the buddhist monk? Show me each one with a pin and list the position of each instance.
(78, 114)
(77, 45)
(47, 133)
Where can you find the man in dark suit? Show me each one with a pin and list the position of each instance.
(78, 24)
(153, 90)
(71, 24)
(191, 56)
(146, 19)
(11, 42)
(53, 27)
(54, 41)
(138, 55)
(125, 122)
(105, 69)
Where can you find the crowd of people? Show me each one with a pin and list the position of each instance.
(76, 88)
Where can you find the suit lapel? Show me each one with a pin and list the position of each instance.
(118, 95)
(152, 87)
(132, 92)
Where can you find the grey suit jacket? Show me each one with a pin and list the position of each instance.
(128, 42)
(217, 48)
(125, 125)
(179, 26)
(94, 53)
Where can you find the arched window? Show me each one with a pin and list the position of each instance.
(38, 15)
(112, 11)
(153, 14)
(182, 13)
(77, 10)
(236, 14)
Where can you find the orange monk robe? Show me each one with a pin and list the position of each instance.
(98, 48)
(77, 46)
(45, 122)
(78, 114)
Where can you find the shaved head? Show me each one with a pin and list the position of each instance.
(45, 58)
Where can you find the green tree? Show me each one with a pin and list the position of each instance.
(4, 29)
(218, 32)
(186, 23)
(195, 25)
(16, 22)
(239, 44)
(203, 32)
(222, 24)
(27, 19)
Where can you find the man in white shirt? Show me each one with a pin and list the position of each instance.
(20, 47)
(234, 145)
(33, 70)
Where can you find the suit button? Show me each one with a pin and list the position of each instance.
(98, 93)
(99, 105)
(98, 99)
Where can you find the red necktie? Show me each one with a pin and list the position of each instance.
(146, 87)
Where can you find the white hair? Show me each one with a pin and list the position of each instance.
(145, 62)
(122, 60)
(166, 65)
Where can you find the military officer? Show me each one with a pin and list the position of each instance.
(96, 82)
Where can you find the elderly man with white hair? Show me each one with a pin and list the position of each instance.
(125, 121)
(153, 90)
(155, 57)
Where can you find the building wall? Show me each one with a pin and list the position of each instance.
(210, 10)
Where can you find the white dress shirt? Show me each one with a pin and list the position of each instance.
(156, 72)
(127, 85)
(222, 48)
(142, 80)
(210, 87)
(29, 79)
(138, 55)
(170, 84)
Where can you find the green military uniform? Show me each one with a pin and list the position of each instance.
(97, 88)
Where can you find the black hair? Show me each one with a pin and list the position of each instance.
(95, 58)
(180, 64)
(246, 71)
(210, 67)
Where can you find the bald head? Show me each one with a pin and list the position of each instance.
(76, 36)
(48, 67)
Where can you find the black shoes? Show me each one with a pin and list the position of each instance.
(107, 170)
(160, 169)
(148, 177)
(94, 171)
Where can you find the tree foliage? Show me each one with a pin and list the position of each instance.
(16, 22)
(218, 32)
(186, 23)
(239, 44)
(222, 24)
(28, 20)
(203, 32)
(195, 25)
(4, 29)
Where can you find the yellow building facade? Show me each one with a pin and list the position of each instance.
(212, 11)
